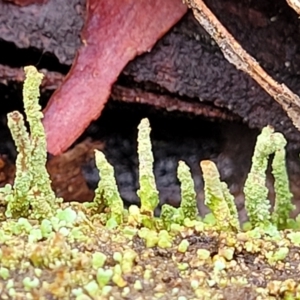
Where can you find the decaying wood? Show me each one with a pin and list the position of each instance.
(295, 4)
(52, 80)
(171, 104)
(27, 2)
(236, 55)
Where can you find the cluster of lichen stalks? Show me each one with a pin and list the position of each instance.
(33, 211)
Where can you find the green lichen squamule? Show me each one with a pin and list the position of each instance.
(256, 192)
(31, 194)
(107, 194)
(148, 192)
(171, 215)
(218, 198)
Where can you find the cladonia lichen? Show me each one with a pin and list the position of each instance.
(218, 198)
(147, 192)
(107, 194)
(256, 193)
(283, 204)
(188, 206)
(69, 254)
(31, 195)
(188, 194)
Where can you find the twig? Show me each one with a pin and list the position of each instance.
(171, 103)
(236, 55)
(295, 5)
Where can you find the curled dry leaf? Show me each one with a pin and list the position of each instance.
(115, 32)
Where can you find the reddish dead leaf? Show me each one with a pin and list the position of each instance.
(115, 32)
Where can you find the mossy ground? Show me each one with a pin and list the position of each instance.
(198, 264)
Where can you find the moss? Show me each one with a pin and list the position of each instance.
(100, 250)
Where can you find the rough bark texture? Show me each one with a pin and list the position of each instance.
(52, 27)
(185, 62)
(242, 60)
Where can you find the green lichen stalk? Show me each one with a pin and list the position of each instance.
(107, 194)
(148, 192)
(231, 206)
(188, 207)
(256, 192)
(218, 198)
(31, 194)
(188, 194)
(283, 204)
(34, 116)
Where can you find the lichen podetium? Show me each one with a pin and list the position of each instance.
(218, 198)
(283, 204)
(256, 193)
(31, 194)
(107, 194)
(188, 210)
(147, 192)
(188, 194)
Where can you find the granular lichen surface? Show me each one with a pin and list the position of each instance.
(86, 260)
